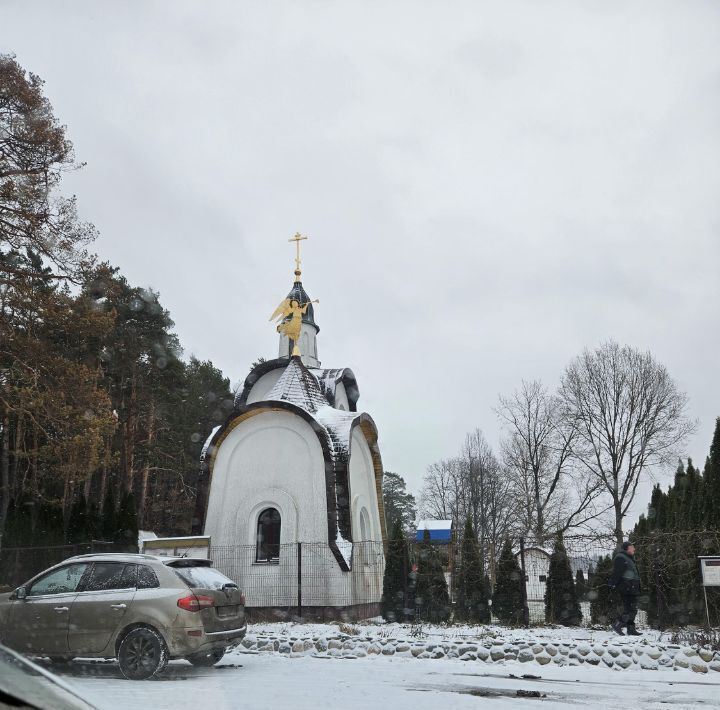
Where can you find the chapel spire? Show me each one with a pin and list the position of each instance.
(297, 239)
(296, 318)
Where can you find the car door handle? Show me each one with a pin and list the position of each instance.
(61, 609)
(118, 606)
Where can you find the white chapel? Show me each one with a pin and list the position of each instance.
(296, 462)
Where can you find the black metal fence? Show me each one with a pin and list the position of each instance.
(306, 580)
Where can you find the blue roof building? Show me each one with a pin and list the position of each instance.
(440, 531)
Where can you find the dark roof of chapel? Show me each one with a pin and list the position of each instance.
(298, 386)
(299, 294)
(328, 380)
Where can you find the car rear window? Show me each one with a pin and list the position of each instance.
(202, 577)
(146, 578)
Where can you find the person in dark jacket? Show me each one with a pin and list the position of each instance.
(625, 579)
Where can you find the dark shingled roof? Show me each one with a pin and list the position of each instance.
(298, 386)
(327, 379)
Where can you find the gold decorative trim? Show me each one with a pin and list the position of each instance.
(368, 429)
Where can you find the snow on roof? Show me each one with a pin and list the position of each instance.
(298, 386)
(206, 445)
(435, 525)
(330, 379)
(338, 425)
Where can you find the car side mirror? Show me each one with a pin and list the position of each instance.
(20, 593)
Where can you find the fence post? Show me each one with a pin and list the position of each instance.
(526, 608)
(299, 579)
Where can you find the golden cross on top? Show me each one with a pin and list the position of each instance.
(297, 239)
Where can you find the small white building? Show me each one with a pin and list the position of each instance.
(537, 567)
(296, 462)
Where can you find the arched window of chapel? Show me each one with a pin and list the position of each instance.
(268, 536)
(364, 525)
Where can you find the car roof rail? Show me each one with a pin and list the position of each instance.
(114, 554)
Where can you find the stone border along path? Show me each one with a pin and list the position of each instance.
(619, 656)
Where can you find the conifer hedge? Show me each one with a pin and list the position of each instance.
(561, 603)
(394, 605)
(507, 600)
(432, 601)
(473, 593)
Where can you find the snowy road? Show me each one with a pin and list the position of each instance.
(261, 682)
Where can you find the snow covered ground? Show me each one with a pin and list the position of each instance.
(267, 682)
(247, 678)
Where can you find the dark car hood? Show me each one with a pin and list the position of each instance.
(23, 683)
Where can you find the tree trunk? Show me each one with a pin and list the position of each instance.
(618, 523)
(145, 477)
(540, 526)
(4, 471)
(129, 442)
(17, 446)
(33, 460)
(88, 486)
(104, 474)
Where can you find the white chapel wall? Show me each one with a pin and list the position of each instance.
(308, 346)
(341, 398)
(267, 453)
(368, 559)
(274, 460)
(362, 487)
(260, 389)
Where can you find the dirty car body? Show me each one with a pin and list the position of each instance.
(89, 605)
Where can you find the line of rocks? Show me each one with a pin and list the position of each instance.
(641, 655)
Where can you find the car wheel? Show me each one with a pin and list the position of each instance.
(142, 654)
(207, 658)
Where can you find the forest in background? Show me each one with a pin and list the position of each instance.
(101, 419)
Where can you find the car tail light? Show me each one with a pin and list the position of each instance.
(195, 602)
(242, 599)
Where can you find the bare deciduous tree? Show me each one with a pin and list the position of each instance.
(628, 418)
(552, 493)
(472, 485)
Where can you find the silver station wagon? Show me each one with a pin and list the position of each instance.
(141, 609)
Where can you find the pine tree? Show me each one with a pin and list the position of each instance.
(711, 477)
(675, 496)
(432, 602)
(657, 510)
(507, 600)
(581, 586)
(108, 517)
(394, 603)
(92, 523)
(561, 604)
(49, 525)
(399, 504)
(127, 528)
(603, 608)
(711, 481)
(77, 522)
(18, 526)
(642, 527)
(471, 604)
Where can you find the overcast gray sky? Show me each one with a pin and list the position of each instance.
(488, 187)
